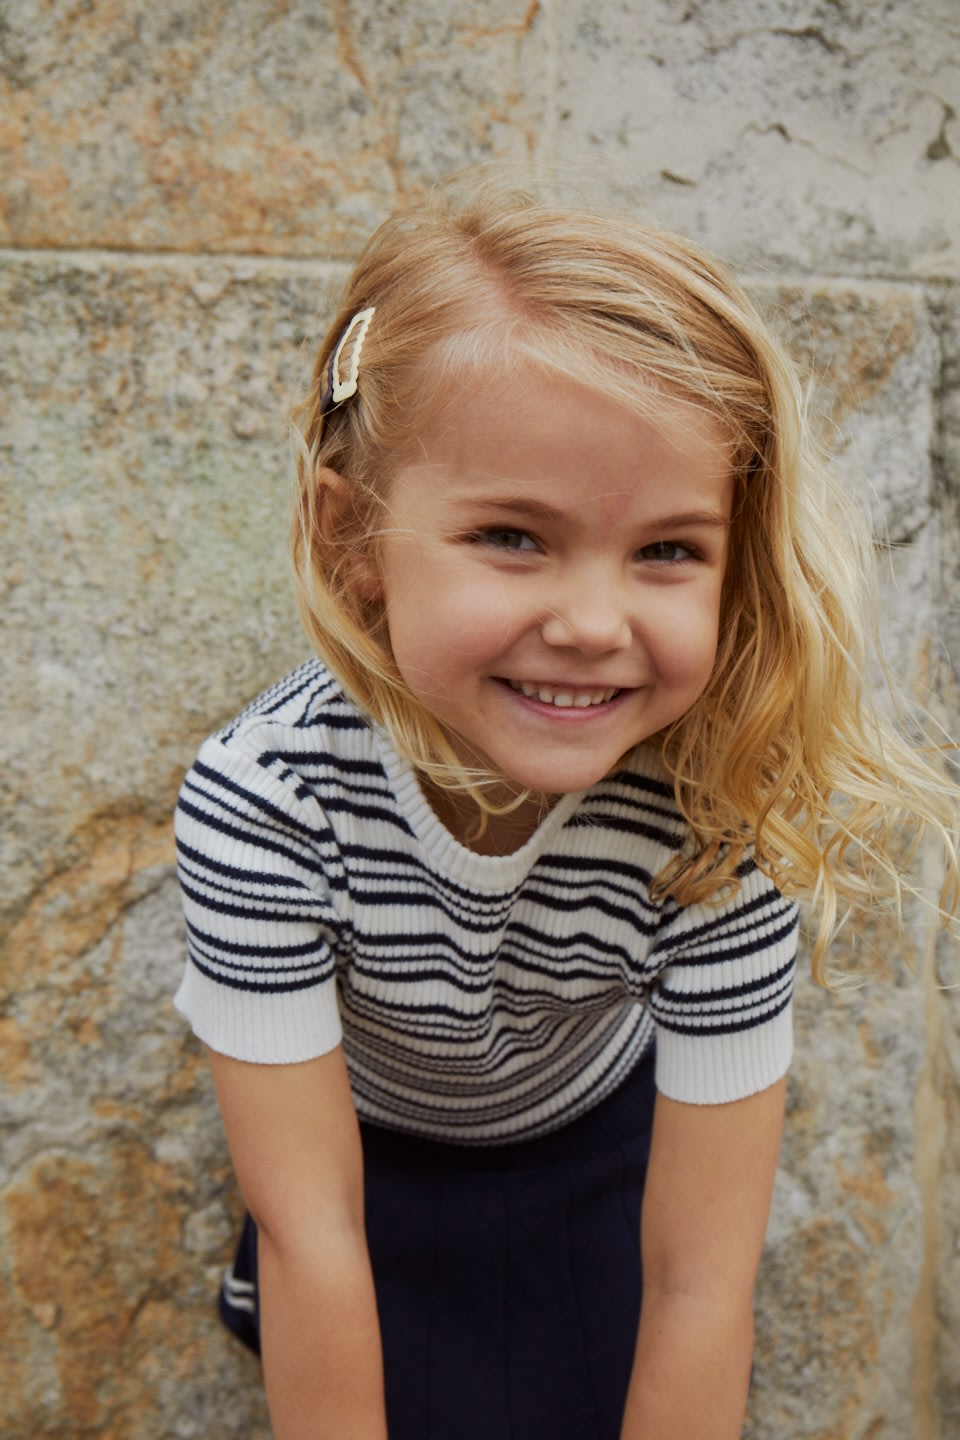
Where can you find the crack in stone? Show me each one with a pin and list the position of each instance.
(939, 147)
(811, 32)
(945, 484)
(931, 1130)
(778, 128)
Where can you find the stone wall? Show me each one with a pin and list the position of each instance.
(183, 186)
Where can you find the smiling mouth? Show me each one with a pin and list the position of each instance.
(564, 697)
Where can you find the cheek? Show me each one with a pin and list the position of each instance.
(473, 614)
(492, 617)
(436, 612)
(687, 639)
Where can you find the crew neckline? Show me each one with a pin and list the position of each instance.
(444, 850)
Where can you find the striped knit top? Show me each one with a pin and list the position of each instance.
(479, 998)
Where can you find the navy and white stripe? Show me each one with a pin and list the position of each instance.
(479, 998)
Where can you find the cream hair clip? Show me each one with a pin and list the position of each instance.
(344, 368)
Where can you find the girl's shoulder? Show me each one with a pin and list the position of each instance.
(638, 804)
(638, 799)
(307, 699)
(296, 741)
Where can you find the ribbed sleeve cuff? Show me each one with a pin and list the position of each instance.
(714, 1069)
(265, 1029)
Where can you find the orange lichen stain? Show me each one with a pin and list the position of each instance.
(508, 27)
(829, 1328)
(865, 334)
(149, 1344)
(89, 1241)
(15, 107)
(166, 1345)
(183, 1080)
(74, 911)
(86, 1032)
(828, 1282)
(115, 1110)
(832, 1287)
(868, 1185)
(17, 1069)
(868, 1043)
(46, 1314)
(867, 1181)
(22, 1361)
(346, 48)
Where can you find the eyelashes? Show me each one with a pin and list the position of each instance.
(520, 542)
(504, 537)
(670, 552)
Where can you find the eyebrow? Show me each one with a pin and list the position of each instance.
(536, 509)
(696, 517)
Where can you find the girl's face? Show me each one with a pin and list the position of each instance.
(551, 569)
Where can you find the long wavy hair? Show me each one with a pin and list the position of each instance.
(785, 755)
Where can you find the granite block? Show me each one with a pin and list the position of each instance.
(275, 128)
(814, 137)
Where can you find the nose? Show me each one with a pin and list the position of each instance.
(588, 613)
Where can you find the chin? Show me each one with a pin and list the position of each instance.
(551, 786)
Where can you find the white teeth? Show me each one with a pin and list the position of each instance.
(563, 699)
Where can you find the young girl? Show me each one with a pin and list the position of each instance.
(491, 911)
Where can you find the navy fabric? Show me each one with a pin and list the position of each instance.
(508, 1277)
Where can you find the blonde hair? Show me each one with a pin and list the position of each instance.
(784, 756)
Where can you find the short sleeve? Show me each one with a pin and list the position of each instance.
(722, 999)
(262, 932)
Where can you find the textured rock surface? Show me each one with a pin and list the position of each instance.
(278, 128)
(117, 1202)
(143, 489)
(144, 411)
(818, 134)
(941, 1096)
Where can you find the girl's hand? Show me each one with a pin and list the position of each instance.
(705, 1209)
(296, 1150)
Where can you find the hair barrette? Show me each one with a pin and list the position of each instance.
(344, 369)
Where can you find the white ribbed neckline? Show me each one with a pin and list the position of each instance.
(444, 851)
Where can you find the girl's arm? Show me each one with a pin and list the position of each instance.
(296, 1150)
(705, 1209)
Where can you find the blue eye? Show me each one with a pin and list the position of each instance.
(667, 552)
(503, 538)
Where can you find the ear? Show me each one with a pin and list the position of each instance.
(337, 518)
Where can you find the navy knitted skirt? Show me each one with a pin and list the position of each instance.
(508, 1277)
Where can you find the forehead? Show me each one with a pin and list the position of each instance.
(530, 428)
